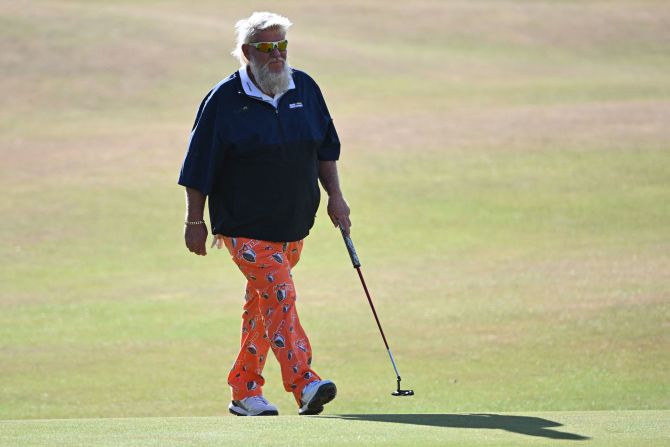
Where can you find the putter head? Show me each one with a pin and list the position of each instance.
(403, 393)
(398, 391)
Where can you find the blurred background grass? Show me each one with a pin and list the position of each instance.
(506, 163)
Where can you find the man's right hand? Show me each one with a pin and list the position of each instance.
(195, 237)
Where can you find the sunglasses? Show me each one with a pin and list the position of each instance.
(268, 47)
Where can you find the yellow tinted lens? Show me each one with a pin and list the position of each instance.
(265, 47)
(281, 45)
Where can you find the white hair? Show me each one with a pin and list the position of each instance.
(247, 29)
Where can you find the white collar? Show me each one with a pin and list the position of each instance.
(251, 90)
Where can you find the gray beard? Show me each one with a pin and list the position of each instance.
(274, 83)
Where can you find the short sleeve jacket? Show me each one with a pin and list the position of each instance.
(258, 165)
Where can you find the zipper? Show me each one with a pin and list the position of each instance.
(282, 136)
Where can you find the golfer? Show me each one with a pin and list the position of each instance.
(262, 139)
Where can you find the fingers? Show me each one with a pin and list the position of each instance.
(346, 224)
(198, 249)
(339, 211)
(217, 242)
(343, 222)
(201, 249)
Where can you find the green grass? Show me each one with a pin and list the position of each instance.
(509, 176)
(557, 428)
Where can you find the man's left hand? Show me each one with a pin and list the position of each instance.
(338, 210)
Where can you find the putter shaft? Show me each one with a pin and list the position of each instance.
(357, 265)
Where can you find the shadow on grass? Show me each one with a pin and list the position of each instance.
(525, 425)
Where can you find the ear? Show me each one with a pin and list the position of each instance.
(245, 50)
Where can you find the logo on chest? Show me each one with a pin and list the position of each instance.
(295, 105)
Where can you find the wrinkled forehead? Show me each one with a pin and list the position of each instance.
(268, 35)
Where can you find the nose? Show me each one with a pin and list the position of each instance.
(275, 52)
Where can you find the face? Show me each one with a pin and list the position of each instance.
(276, 60)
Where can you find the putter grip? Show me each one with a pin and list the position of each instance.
(350, 248)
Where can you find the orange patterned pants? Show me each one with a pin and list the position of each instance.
(270, 318)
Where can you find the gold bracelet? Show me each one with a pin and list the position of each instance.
(197, 222)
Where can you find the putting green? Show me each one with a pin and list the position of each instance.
(600, 428)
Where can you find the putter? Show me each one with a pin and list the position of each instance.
(357, 266)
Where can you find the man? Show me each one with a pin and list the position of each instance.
(261, 139)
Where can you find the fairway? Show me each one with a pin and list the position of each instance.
(507, 164)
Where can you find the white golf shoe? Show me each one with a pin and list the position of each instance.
(315, 395)
(252, 406)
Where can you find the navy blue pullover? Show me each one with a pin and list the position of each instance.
(257, 165)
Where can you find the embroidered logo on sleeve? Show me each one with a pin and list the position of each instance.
(295, 105)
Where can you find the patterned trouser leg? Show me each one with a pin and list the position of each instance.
(246, 375)
(270, 318)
